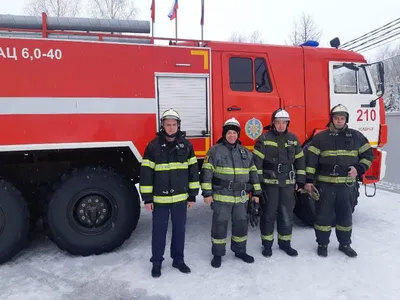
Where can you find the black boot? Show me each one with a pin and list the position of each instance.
(181, 266)
(156, 270)
(216, 261)
(346, 249)
(267, 252)
(288, 249)
(245, 257)
(323, 250)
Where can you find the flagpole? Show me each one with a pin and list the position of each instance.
(176, 27)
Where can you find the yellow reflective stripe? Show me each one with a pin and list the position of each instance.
(259, 172)
(206, 186)
(294, 144)
(299, 155)
(148, 163)
(339, 153)
(192, 160)
(257, 187)
(270, 143)
(290, 181)
(343, 228)
(171, 199)
(239, 239)
(364, 148)
(253, 169)
(230, 171)
(171, 166)
(194, 185)
(330, 179)
(366, 162)
(259, 154)
(218, 241)
(146, 188)
(208, 166)
(271, 181)
(314, 150)
(230, 199)
(323, 228)
(269, 237)
(285, 237)
(311, 170)
(301, 172)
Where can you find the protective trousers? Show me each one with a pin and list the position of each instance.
(277, 205)
(222, 211)
(160, 228)
(335, 199)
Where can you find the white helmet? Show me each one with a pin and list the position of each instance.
(231, 124)
(170, 114)
(340, 109)
(281, 114)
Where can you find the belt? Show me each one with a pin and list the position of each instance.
(280, 168)
(233, 186)
(334, 170)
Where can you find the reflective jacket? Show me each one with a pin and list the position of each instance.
(169, 171)
(229, 174)
(279, 159)
(331, 153)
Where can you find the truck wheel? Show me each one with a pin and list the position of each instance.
(92, 211)
(14, 221)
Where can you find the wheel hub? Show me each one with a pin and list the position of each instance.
(92, 211)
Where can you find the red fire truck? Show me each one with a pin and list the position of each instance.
(80, 99)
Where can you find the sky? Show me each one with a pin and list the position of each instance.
(274, 19)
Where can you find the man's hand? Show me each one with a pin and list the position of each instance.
(352, 172)
(256, 199)
(308, 187)
(190, 204)
(208, 200)
(149, 206)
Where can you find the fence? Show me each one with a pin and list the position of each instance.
(391, 181)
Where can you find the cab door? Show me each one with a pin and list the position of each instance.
(351, 84)
(249, 93)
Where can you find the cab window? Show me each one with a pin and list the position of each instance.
(350, 80)
(248, 75)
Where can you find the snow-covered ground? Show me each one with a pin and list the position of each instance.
(44, 272)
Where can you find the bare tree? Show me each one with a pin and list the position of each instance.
(114, 9)
(255, 37)
(304, 29)
(57, 8)
(390, 56)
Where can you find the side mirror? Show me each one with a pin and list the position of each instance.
(381, 84)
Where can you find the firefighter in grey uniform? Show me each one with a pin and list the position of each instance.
(335, 157)
(227, 176)
(280, 161)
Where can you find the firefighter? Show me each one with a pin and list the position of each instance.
(280, 161)
(169, 183)
(228, 175)
(335, 158)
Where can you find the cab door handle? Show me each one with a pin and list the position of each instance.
(233, 108)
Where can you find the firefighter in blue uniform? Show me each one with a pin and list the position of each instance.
(169, 183)
(335, 158)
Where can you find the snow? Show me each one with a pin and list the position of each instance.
(44, 272)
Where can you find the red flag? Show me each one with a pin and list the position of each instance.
(153, 10)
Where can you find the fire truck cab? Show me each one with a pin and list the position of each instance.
(78, 106)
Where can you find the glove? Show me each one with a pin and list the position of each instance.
(314, 194)
(254, 211)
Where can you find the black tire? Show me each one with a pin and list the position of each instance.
(14, 221)
(116, 195)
